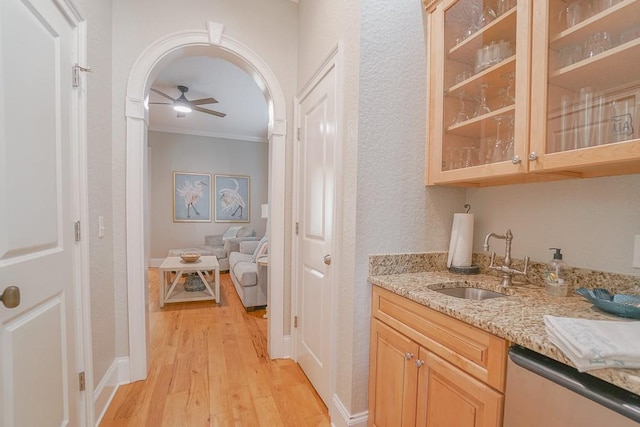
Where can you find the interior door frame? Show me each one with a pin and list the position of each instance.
(332, 61)
(142, 74)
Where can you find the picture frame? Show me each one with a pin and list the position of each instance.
(191, 197)
(232, 195)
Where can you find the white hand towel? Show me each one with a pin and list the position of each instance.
(596, 344)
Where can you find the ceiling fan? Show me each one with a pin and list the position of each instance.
(182, 105)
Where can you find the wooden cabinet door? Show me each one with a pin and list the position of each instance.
(585, 101)
(479, 91)
(449, 397)
(392, 378)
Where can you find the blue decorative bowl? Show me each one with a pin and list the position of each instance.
(623, 305)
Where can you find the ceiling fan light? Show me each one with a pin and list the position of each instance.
(181, 107)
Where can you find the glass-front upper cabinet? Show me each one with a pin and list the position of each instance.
(479, 90)
(586, 87)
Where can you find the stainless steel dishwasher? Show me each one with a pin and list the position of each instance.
(543, 392)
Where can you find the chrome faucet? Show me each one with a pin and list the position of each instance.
(505, 268)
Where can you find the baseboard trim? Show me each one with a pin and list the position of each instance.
(117, 374)
(340, 416)
(287, 343)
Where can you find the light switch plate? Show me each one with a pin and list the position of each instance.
(101, 226)
(636, 252)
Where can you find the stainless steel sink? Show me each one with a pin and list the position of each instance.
(470, 293)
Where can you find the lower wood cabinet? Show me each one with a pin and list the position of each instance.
(432, 370)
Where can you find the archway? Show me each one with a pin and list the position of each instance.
(143, 73)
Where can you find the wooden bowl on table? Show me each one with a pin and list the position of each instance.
(190, 257)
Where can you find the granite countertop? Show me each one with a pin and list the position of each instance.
(517, 317)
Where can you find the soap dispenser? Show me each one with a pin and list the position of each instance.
(555, 275)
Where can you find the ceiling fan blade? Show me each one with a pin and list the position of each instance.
(161, 103)
(204, 110)
(162, 94)
(204, 101)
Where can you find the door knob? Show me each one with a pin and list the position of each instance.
(11, 297)
(327, 259)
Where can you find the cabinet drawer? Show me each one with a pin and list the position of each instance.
(473, 350)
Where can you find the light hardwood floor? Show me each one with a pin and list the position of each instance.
(209, 367)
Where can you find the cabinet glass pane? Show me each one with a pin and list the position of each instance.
(593, 95)
(479, 83)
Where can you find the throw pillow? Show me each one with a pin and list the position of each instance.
(259, 249)
(231, 232)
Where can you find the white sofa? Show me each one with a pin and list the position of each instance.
(249, 279)
(220, 245)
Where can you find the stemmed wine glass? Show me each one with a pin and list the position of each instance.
(498, 148)
(482, 107)
(461, 116)
(509, 150)
(506, 93)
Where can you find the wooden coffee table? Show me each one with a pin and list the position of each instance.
(172, 289)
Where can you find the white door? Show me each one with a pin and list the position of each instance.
(37, 249)
(316, 190)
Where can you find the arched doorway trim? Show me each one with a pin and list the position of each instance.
(143, 73)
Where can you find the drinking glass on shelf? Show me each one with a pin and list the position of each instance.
(510, 143)
(469, 159)
(573, 13)
(461, 115)
(570, 54)
(485, 17)
(447, 160)
(621, 119)
(507, 97)
(503, 7)
(597, 43)
(486, 150)
(600, 128)
(482, 107)
(498, 146)
(585, 117)
(629, 34)
(568, 130)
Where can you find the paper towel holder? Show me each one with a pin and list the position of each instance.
(471, 269)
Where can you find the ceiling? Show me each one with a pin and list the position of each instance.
(238, 96)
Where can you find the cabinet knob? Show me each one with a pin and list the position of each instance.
(408, 355)
(419, 363)
(516, 160)
(533, 156)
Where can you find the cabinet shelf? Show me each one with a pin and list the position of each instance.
(502, 28)
(620, 16)
(492, 76)
(481, 126)
(596, 71)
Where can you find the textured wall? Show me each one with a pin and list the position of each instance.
(395, 212)
(99, 123)
(267, 27)
(592, 220)
(385, 206)
(187, 153)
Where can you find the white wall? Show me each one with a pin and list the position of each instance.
(593, 220)
(267, 27)
(173, 152)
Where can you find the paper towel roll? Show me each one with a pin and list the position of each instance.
(461, 244)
